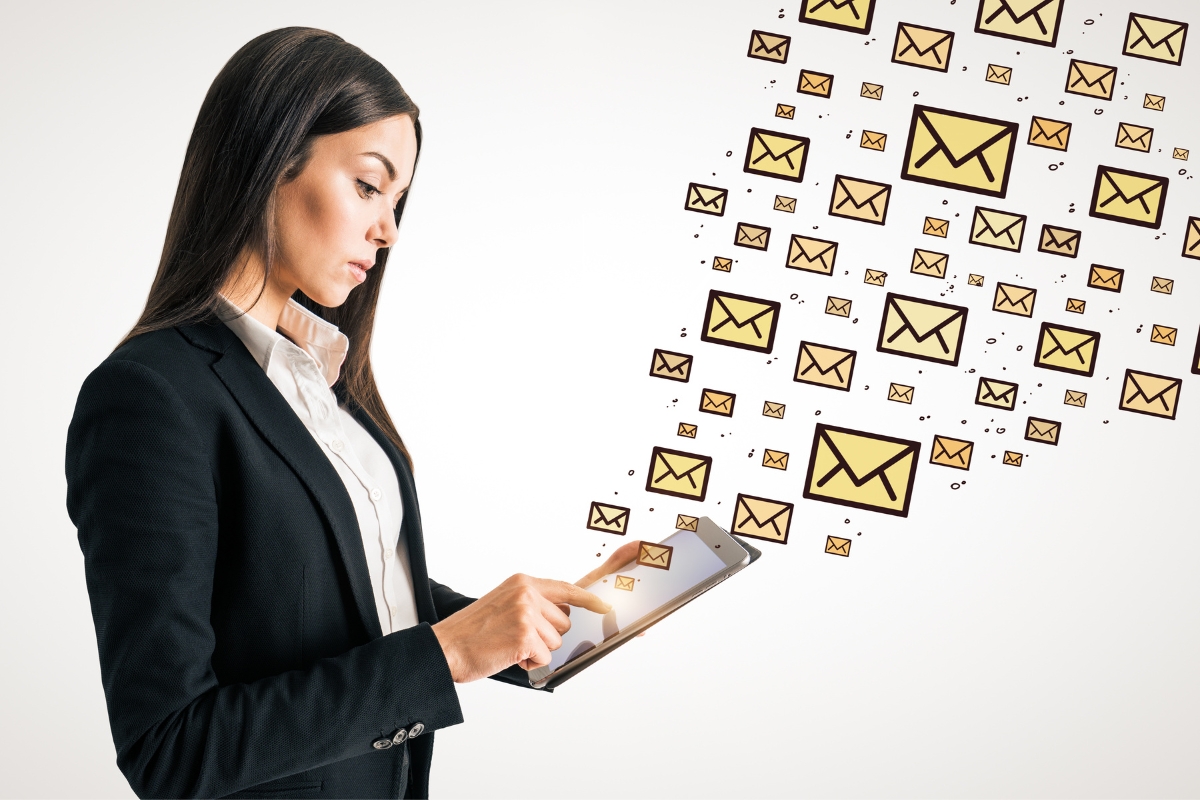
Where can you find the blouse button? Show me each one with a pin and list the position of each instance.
(387, 554)
(336, 445)
(376, 494)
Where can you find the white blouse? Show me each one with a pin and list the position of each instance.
(304, 372)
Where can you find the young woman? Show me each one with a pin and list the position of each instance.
(245, 505)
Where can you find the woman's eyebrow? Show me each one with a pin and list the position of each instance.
(391, 169)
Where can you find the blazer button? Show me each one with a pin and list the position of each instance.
(400, 736)
(382, 744)
(416, 730)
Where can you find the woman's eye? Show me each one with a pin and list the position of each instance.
(368, 188)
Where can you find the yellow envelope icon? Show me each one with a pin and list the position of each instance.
(1077, 399)
(1045, 431)
(756, 237)
(974, 280)
(936, 227)
(1012, 459)
(817, 83)
(812, 255)
(773, 410)
(899, 393)
(722, 264)
(1155, 38)
(875, 277)
(685, 523)
(1191, 238)
(918, 46)
(785, 111)
(1106, 278)
(672, 366)
(873, 141)
(1076, 306)
(837, 306)
(686, 430)
(1131, 197)
(623, 582)
(654, 555)
(836, 545)
(1091, 80)
(1163, 334)
(871, 91)
(1012, 299)
(775, 459)
(846, 15)
(854, 198)
(1000, 229)
(998, 74)
(959, 151)
(706, 199)
(1179, 154)
(607, 518)
(996, 393)
(948, 452)
(769, 46)
(1145, 393)
(1059, 241)
(787, 204)
(822, 365)
(678, 474)
(923, 329)
(776, 155)
(1052, 133)
(1067, 349)
(926, 262)
(760, 518)
(736, 320)
(1162, 285)
(861, 470)
(1034, 21)
(714, 402)
(1134, 137)
(1154, 102)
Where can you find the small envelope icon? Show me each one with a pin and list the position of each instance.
(760, 518)
(678, 474)
(1067, 349)
(854, 198)
(1145, 393)
(847, 15)
(873, 141)
(1091, 80)
(936, 227)
(871, 91)
(837, 306)
(1154, 102)
(923, 329)
(736, 320)
(769, 46)
(998, 74)
(836, 545)
(1106, 278)
(672, 366)
(706, 199)
(773, 410)
(609, 519)
(685, 523)
(686, 430)
(1134, 137)
(654, 555)
(776, 155)
(1012, 459)
(1191, 238)
(1000, 229)
(623, 582)
(1077, 399)
(1162, 285)
(1059, 241)
(959, 151)
(899, 393)
(722, 264)
(812, 255)
(861, 470)
(785, 111)
(948, 452)
(1076, 306)
(1180, 154)
(787, 204)
(918, 46)
(1163, 334)
(926, 262)
(775, 459)
(875, 277)
(1051, 133)
(1156, 39)
(822, 365)
(1131, 197)
(1014, 299)
(996, 393)
(817, 83)
(1045, 431)
(714, 402)
(1034, 21)
(755, 237)
(974, 280)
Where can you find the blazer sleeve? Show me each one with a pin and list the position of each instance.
(142, 494)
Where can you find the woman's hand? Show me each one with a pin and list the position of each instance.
(619, 560)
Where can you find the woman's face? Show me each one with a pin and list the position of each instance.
(333, 217)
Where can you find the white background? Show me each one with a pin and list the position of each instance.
(1033, 633)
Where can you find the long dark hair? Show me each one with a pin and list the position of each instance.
(254, 133)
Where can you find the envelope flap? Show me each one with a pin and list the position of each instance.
(743, 312)
(1152, 387)
(1060, 237)
(609, 514)
(777, 147)
(672, 362)
(962, 137)
(1069, 341)
(1134, 131)
(1105, 274)
(863, 455)
(1156, 31)
(997, 389)
(861, 192)
(826, 358)
(925, 319)
(1039, 428)
(679, 466)
(762, 512)
(769, 40)
(839, 4)
(707, 195)
(775, 456)
(1130, 187)
(928, 258)
(1021, 10)
(1014, 294)
(952, 447)
(998, 222)
(773, 407)
(812, 249)
(1092, 73)
(653, 551)
(924, 39)
(1049, 128)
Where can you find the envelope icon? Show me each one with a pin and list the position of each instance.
(785, 111)
(873, 141)
(1000, 229)
(871, 91)
(836, 545)
(1077, 399)
(1034, 21)
(822, 365)
(1156, 395)
(672, 366)
(899, 393)
(854, 198)
(760, 518)
(773, 410)
(862, 470)
(722, 264)
(1162, 285)
(1191, 238)
(1045, 431)
(998, 74)
(1134, 137)
(1012, 459)
(923, 329)
(948, 452)
(678, 474)
(1059, 241)
(1107, 278)
(847, 15)
(996, 393)
(812, 255)
(959, 151)
(685, 523)
(714, 402)
(926, 262)
(654, 555)
(686, 430)
(706, 199)
(623, 582)
(1156, 39)
(775, 459)
(1163, 334)
(1067, 349)
(1180, 154)
(818, 83)
(776, 155)
(1154, 102)
(1131, 197)
(736, 320)
(974, 280)
(787, 204)
(918, 46)
(936, 227)
(769, 46)
(755, 237)
(1051, 133)
(837, 306)
(875, 277)
(1014, 299)
(607, 518)
(1091, 80)
(1076, 306)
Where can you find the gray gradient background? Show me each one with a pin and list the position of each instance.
(1031, 634)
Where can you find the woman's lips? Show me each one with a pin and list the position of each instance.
(357, 271)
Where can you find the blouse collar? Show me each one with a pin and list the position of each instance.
(319, 338)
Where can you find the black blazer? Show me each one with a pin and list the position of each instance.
(240, 648)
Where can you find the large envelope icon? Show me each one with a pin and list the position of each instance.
(899, 393)
(769, 46)
(776, 155)
(755, 237)
(773, 410)
(837, 306)
(706, 199)
(871, 91)
(847, 15)
(1045, 431)
(818, 83)
(926, 262)
(1191, 238)
(714, 402)
(686, 430)
(959, 151)
(623, 582)
(1067, 349)
(736, 320)
(862, 470)
(1162, 285)
(672, 366)
(923, 329)
(1134, 137)
(948, 452)
(1163, 334)
(1059, 241)
(812, 255)
(936, 227)
(685, 523)
(996, 393)
(1014, 299)
(1154, 102)
(875, 277)
(918, 46)
(607, 518)
(654, 555)
(1107, 278)
(1131, 197)
(1000, 229)
(1156, 39)
(775, 459)
(854, 198)
(1051, 133)
(1091, 80)
(822, 365)
(1034, 21)
(678, 474)
(760, 518)
(1077, 399)
(836, 545)
(1146, 393)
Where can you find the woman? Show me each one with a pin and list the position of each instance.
(245, 505)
